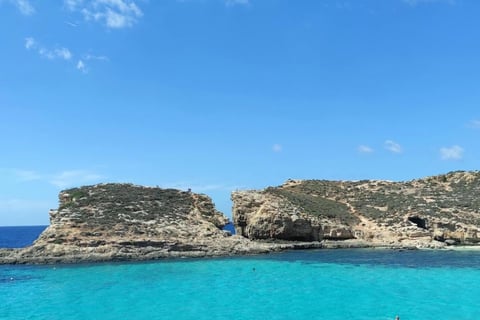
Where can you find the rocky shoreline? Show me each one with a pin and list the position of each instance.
(62, 254)
(125, 222)
(234, 247)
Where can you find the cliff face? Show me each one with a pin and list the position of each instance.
(430, 212)
(109, 222)
(269, 214)
(125, 222)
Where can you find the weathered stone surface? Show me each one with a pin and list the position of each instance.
(429, 212)
(115, 222)
(266, 215)
(111, 222)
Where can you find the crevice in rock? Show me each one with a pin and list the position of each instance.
(421, 223)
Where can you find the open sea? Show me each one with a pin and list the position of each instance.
(318, 284)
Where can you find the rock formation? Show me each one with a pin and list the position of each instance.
(430, 212)
(109, 222)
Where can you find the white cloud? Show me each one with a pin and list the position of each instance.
(116, 20)
(392, 146)
(364, 149)
(73, 5)
(81, 66)
(63, 53)
(49, 53)
(474, 124)
(62, 179)
(451, 153)
(277, 147)
(237, 2)
(94, 57)
(74, 177)
(24, 6)
(29, 43)
(46, 53)
(71, 24)
(115, 14)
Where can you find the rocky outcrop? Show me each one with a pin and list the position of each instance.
(431, 212)
(269, 215)
(109, 222)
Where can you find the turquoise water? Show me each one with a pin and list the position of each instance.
(322, 284)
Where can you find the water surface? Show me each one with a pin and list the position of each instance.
(319, 284)
(19, 237)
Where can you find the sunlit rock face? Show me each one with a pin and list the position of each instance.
(428, 212)
(109, 222)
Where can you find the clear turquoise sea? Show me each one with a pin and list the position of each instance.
(320, 284)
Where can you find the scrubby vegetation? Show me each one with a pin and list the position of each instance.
(455, 195)
(108, 204)
(318, 206)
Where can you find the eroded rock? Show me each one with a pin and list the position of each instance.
(429, 212)
(110, 222)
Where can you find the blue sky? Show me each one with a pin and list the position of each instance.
(218, 95)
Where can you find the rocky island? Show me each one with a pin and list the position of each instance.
(432, 212)
(118, 222)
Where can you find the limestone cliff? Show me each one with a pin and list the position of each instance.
(429, 212)
(109, 222)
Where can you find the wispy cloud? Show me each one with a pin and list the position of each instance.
(29, 43)
(82, 63)
(27, 175)
(392, 146)
(63, 179)
(74, 177)
(71, 24)
(62, 53)
(49, 53)
(475, 124)
(24, 6)
(15, 205)
(81, 66)
(364, 149)
(114, 14)
(237, 2)
(277, 147)
(418, 2)
(73, 5)
(451, 153)
(89, 56)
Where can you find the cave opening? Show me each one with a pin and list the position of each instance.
(421, 223)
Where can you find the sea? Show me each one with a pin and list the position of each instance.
(333, 284)
(19, 237)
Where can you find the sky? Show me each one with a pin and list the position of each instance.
(223, 95)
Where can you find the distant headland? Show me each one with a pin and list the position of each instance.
(121, 222)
